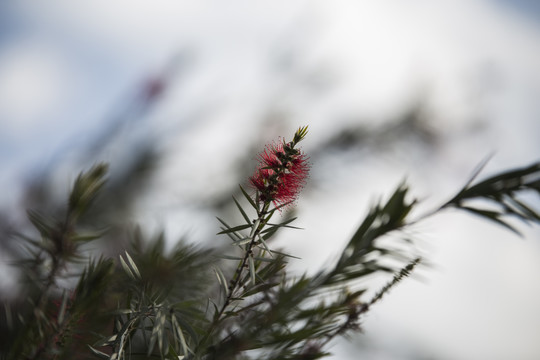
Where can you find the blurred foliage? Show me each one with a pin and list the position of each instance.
(502, 194)
(91, 286)
(188, 302)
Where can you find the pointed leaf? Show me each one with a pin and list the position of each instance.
(255, 227)
(155, 335)
(261, 239)
(229, 257)
(177, 329)
(526, 210)
(246, 195)
(252, 269)
(62, 310)
(284, 254)
(98, 353)
(222, 280)
(242, 211)
(40, 223)
(242, 241)
(234, 229)
(126, 268)
(491, 215)
(87, 237)
(133, 266)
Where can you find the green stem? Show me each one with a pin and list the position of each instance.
(258, 225)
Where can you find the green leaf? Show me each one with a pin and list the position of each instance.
(492, 216)
(86, 188)
(126, 268)
(523, 210)
(283, 224)
(89, 236)
(255, 227)
(62, 310)
(108, 341)
(252, 269)
(177, 329)
(229, 257)
(396, 207)
(157, 332)
(222, 280)
(188, 329)
(242, 211)
(235, 229)
(133, 266)
(98, 353)
(242, 241)
(233, 236)
(475, 174)
(284, 254)
(42, 224)
(265, 245)
(503, 183)
(249, 199)
(216, 310)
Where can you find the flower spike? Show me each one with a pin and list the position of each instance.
(282, 171)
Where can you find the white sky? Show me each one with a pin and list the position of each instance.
(63, 66)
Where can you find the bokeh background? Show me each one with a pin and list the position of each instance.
(179, 97)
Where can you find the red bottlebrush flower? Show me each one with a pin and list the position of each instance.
(282, 172)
